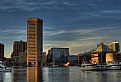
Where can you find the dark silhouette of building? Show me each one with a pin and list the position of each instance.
(18, 46)
(58, 56)
(73, 60)
(1, 51)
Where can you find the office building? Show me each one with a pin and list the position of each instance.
(34, 42)
(22, 58)
(18, 46)
(58, 56)
(1, 51)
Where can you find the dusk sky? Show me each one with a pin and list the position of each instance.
(77, 24)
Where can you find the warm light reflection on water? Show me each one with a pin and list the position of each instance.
(34, 74)
(59, 74)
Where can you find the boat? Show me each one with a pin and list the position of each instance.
(113, 66)
(88, 67)
(4, 68)
(101, 67)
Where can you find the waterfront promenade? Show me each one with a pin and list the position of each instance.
(59, 74)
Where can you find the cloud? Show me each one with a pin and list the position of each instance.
(75, 47)
(13, 31)
(77, 24)
(106, 13)
(93, 38)
(54, 32)
(13, 34)
(79, 40)
(33, 5)
(78, 34)
(111, 11)
(69, 4)
(102, 28)
(72, 31)
(18, 4)
(98, 15)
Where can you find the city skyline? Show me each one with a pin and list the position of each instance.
(79, 25)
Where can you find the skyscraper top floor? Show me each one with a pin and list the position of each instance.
(34, 19)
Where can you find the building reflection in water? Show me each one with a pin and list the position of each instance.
(34, 74)
(56, 74)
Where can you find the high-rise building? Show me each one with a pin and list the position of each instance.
(34, 41)
(1, 51)
(18, 46)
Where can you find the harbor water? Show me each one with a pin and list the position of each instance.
(59, 74)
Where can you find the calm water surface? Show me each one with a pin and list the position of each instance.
(59, 74)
